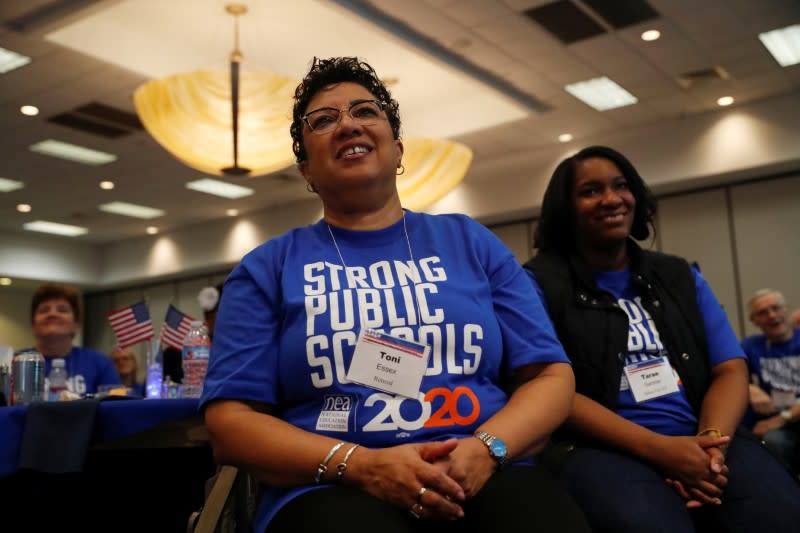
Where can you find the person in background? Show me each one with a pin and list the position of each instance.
(55, 318)
(128, 368)
(367, 355)
(661, 381)
(794, 318)
(209, 298)
(774, 357)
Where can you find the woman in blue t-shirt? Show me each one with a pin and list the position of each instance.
(661, 381)
(370, 355)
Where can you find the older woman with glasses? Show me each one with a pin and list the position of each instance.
(384, 369)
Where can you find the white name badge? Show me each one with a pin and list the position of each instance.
(388, 363)
(651, 379)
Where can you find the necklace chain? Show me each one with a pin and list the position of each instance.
(410, 253)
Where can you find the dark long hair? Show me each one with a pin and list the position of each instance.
(556, 229)
(324, 72)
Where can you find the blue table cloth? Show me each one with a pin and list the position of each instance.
(111, 420)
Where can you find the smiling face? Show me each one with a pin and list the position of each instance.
(124, 360)
(604, 204)
(352, 156)
(54, 319)
(770, 315)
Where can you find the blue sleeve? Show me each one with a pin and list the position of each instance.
(243, 363)
(538, 288)
(722, 342)
(528, 334)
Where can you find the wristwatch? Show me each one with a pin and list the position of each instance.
(786, 414)
(497, 448)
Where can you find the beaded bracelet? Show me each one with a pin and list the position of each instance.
(323, 466)
(341, 467)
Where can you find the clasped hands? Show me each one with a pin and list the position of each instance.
(694, 466)
(449, 472)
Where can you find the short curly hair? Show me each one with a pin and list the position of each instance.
(325, 72)
(556, 228)
(57, 291)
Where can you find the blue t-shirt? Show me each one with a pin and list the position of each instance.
(291, 313)
(87, 369)
(777, 366)
(670, 414)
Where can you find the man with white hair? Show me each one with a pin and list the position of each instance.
(774, 358)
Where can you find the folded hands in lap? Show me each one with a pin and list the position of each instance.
(694, 467)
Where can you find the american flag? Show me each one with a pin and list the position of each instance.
(131, 324)
(176, 326)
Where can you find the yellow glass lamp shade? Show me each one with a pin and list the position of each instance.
(433, 167)
(190, 116)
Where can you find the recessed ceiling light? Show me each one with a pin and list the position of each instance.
(72, 152)
(5, 281)
(151, 230)
(30, 110)
(725, 101)
(24, 208)
(219, 188)
(107, 185)
(7, 185)
(44, 226)
(601, 93)
(783, 44)
(232, 212)
(565, 137)
(131, 210)
(10, 60)
(651, 35)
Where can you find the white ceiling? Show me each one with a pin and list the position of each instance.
(494, 35)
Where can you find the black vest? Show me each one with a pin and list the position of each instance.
(594, 330)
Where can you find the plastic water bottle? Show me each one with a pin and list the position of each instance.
(57, 380)
(196, 348)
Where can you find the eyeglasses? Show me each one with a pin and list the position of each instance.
(764, 311)
(325, 119)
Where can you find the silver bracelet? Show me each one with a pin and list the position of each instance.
(341, 467)
(323, 466)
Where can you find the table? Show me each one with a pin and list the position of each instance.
(144, 469)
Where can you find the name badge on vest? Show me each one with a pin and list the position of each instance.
(388, 363)
(651, 379)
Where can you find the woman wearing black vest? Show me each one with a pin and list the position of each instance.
(660, 376)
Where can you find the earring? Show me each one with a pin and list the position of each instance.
(402, 169)
(310, 187)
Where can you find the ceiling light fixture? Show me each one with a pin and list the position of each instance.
(651, 35)
(107, 185)
(232, 212)
(43, 226)
(192, 116)
(24, 208)
(72, 152)
(601, 93)
(219, 188)
(725, 101)
(131, 210)
(9, 60)
(151, 230)
(7, 185)
(198, 116)
(565, 137)
(5, 281)
(29, 110)
(783, 44)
